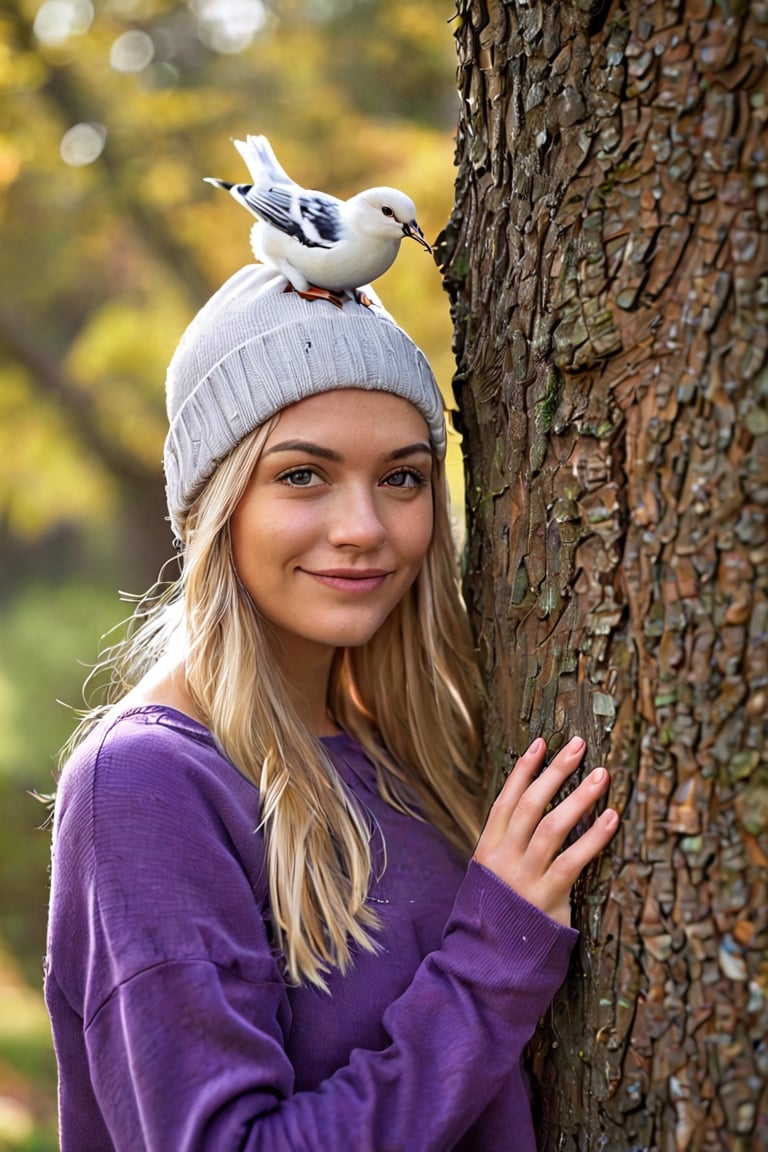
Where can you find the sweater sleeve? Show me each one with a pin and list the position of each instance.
(184, 1007)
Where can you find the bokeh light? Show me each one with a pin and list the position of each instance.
(132, 52)
(57, 20)
(229, 26)
(82, 144)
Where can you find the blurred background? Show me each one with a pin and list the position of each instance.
(112, 113)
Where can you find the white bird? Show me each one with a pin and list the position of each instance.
(317, 241)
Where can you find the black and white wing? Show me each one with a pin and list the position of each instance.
(309, 217)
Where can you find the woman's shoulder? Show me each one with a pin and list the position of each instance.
(155, 847)
(132, 737)
(153, 754)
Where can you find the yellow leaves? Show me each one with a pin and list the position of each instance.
(418, 24)
(10, 161)
(45, 475)
(121, 358)
(167, 113)
(118, 364)
(19, 71)
(167, 182)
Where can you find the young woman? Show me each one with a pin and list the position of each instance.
(275, 920)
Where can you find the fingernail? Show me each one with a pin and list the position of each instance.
(537, 745)
(576, 744)
(598, 776)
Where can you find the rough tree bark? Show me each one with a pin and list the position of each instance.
(607, 263)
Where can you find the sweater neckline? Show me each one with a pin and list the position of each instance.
(184, 720)
(349, 757)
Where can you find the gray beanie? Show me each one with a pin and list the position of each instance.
(255, 348)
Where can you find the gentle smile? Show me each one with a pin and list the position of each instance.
(350, 579)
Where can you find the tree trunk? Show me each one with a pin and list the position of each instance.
(607, 263)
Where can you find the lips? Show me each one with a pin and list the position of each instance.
(355, 580)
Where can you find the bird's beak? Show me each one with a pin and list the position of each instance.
(415, 233)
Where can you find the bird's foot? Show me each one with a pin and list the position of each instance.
(312, 292)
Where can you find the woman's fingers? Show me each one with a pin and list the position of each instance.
(553, 830)
(535, 799)
(551, 891)
(525, 770)
(523, 838)
(572, 862)
(526, 795)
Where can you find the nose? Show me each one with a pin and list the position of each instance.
(355, 520)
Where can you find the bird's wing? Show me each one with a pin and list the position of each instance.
(261, 161)
(311, 218)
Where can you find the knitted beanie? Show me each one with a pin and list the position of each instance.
(255, 348)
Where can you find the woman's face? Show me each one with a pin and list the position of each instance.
(337, 517)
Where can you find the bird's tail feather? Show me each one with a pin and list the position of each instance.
(261, 161)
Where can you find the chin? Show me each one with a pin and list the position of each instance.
(353, 638)
(354, 635)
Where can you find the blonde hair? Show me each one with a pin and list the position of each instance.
(410, 696)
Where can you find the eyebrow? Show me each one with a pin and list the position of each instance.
(310, 449)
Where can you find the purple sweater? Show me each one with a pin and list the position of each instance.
(173, 1025)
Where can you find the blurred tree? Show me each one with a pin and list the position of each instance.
(608, 266)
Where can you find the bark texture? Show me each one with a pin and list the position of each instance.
(607, 264)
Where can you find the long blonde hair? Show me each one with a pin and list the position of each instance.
(410, 696)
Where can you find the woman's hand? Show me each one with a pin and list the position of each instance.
(523, 846)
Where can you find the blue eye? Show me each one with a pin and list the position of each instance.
(298, 478)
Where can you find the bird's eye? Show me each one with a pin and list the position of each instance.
(387, 211)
